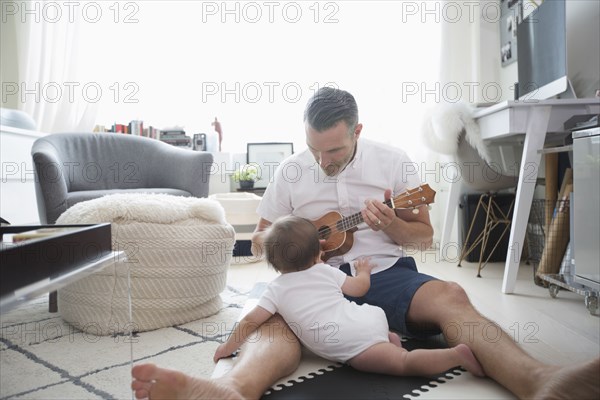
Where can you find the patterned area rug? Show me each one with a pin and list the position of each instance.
(42, 357)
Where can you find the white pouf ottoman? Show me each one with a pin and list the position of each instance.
(178, 251)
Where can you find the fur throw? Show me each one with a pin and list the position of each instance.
(143, 207)
(444, 125)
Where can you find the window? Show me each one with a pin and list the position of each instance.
(255, 64)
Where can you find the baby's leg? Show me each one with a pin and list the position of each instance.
(387, 358)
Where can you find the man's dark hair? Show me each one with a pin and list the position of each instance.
(328, 106)
(292, 244)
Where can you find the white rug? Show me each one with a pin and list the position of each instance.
(42, 357)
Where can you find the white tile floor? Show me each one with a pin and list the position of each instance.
(558, 331)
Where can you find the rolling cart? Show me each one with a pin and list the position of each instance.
(584, 279)
(557, 281)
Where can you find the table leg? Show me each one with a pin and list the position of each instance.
(53, 302)
(535, 135)
(450, 215)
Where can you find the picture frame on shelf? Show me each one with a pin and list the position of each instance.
(267, 156)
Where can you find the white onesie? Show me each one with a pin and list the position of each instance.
(313, 305)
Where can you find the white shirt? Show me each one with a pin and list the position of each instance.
(312, 304)
(301, 188)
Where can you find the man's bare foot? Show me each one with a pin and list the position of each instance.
(395, 339)
(150, 381)
(468, 360)
(572, 382)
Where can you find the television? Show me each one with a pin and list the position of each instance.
(559, 50)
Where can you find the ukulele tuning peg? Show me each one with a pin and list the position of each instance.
(415, 211)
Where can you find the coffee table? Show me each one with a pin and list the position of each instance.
(31, 268)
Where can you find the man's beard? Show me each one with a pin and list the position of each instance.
(333, 169)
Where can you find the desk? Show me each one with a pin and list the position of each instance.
(505, 120)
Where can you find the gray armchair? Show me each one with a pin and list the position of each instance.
(75, 167)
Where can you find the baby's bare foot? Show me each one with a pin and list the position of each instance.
(468, 360)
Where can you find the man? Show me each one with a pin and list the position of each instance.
(340, 172)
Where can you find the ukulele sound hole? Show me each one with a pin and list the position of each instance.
(324, 232)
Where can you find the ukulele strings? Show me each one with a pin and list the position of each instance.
(346, 223)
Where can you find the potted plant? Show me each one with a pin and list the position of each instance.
(247, 175)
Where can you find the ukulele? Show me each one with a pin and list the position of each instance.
(337, 231)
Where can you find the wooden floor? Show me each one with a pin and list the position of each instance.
(557, 331)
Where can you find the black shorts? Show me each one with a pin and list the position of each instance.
(393, 290)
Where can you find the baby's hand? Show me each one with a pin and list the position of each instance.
(363, 264)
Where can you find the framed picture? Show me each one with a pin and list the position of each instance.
(268, 156)
(509, 17)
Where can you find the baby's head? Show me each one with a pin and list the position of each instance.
(292, 244)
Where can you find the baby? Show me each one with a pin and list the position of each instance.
(309, 295)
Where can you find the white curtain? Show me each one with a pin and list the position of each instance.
(459, 41)
(458, 73)
(49, 89)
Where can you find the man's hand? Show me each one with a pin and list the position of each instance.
(322, 252)
(377, 215)
(403, 226)
(258, 238)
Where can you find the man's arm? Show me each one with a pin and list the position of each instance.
(258, 238)
(246, 326)
(404, 227)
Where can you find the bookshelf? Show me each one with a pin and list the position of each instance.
(174, 136)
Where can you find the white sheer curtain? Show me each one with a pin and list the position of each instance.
(458, 41)
(470, 55)
(459, 74)
(47, 68)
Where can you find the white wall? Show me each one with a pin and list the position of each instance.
(583, 44)
(490, 69)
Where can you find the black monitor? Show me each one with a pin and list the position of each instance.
(542, 52)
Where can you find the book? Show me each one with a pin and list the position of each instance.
(40, 233)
